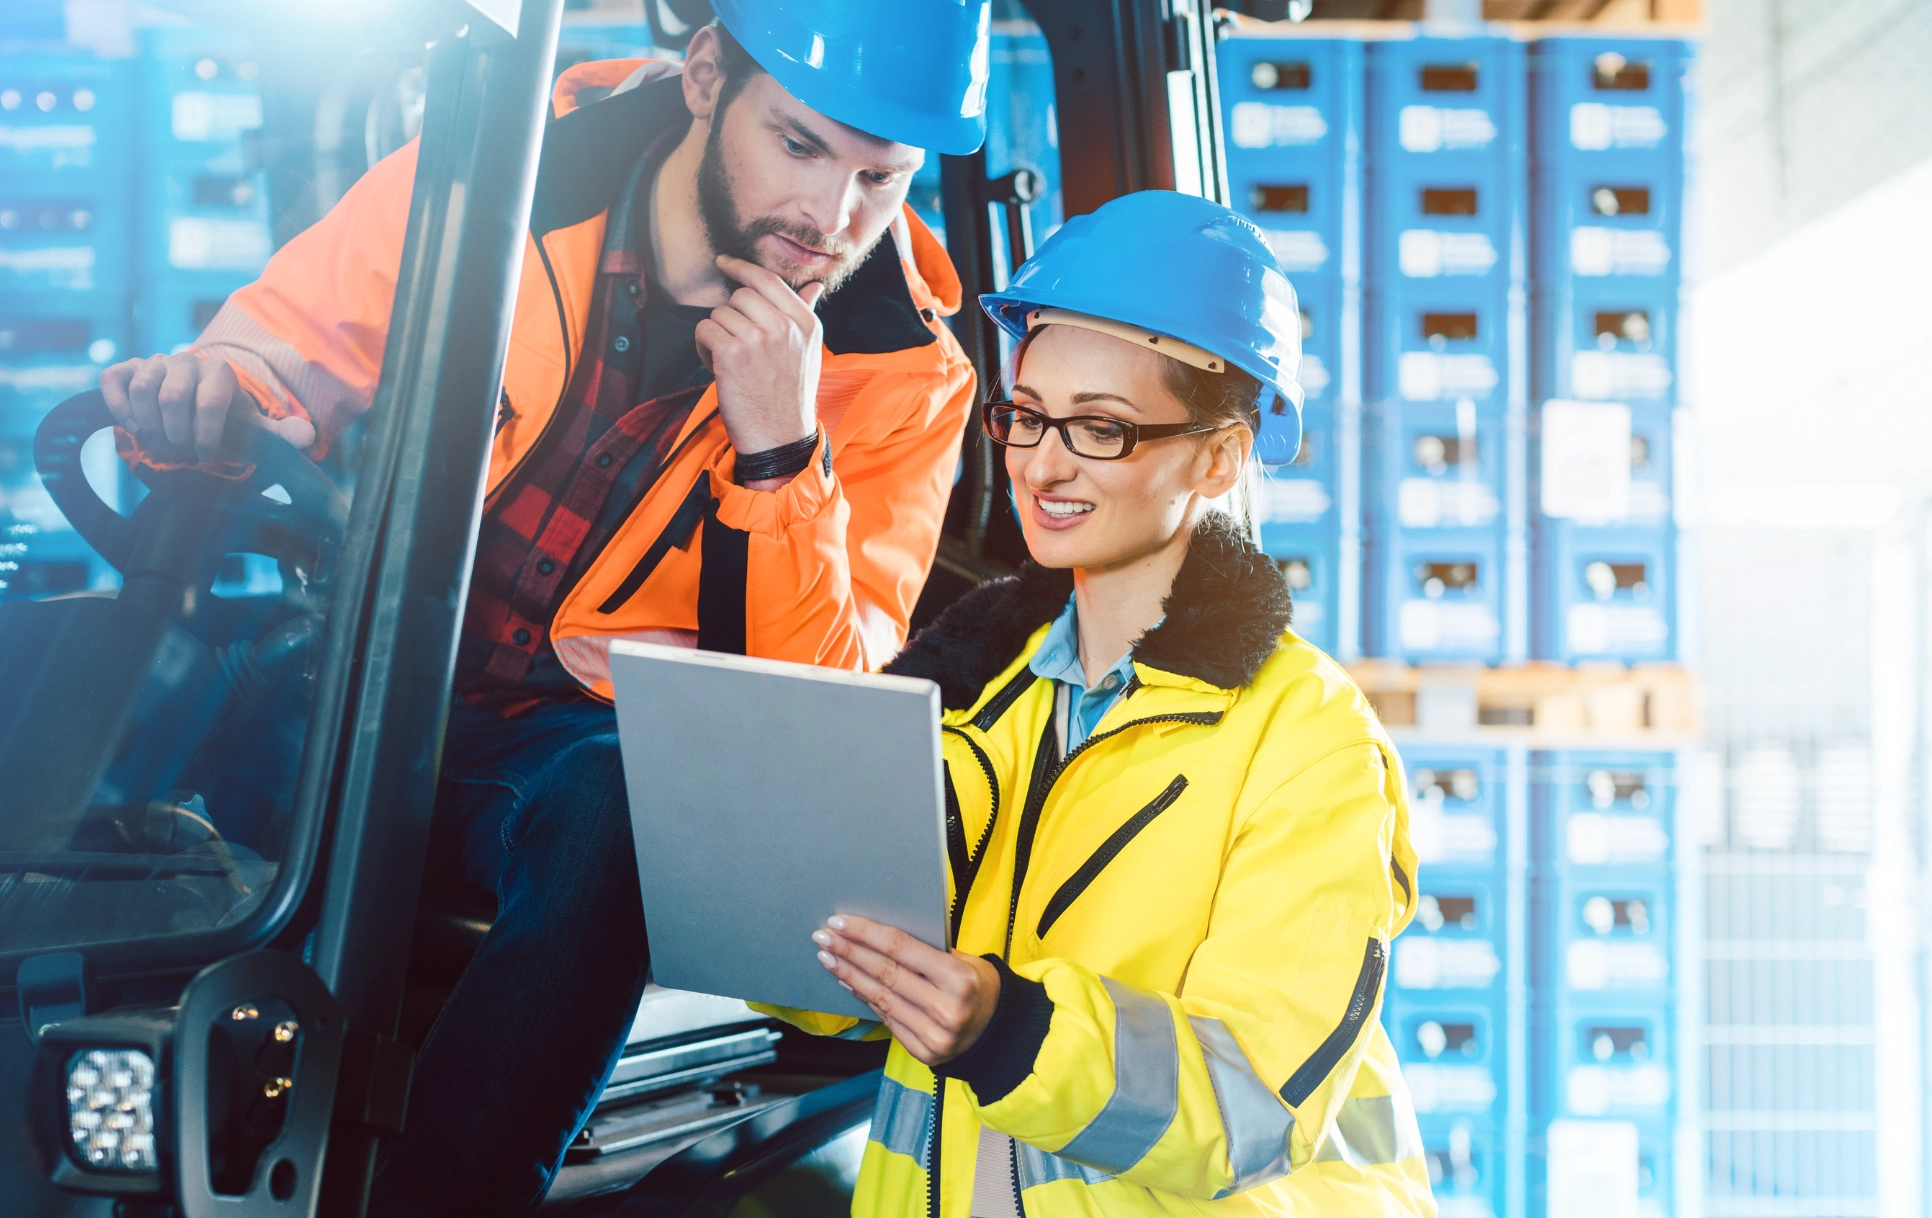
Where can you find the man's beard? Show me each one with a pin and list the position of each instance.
(739, 239)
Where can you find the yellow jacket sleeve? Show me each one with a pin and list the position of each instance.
(1241, 1077)
(818, 1023)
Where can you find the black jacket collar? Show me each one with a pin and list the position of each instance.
(1225, 615)
(588, 155)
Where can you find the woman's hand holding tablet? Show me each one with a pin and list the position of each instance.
(935, 1003)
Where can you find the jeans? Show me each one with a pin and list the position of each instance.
(535, 808)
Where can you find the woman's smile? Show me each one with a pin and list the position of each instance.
(1058, 512)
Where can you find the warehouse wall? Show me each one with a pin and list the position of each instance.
(1806, 357)
(1807, 104)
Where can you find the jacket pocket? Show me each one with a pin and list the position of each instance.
(1115, 843)
(676, 536)
(1368, 983)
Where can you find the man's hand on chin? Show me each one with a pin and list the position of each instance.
(763, 345)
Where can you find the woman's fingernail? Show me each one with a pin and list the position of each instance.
(835, 922)
(821, 938)
(848, 989)
(825, 958)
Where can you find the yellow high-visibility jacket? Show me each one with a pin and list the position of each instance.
(1191, 915)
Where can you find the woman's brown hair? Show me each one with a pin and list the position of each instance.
(1213, 399)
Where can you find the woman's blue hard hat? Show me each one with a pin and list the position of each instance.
(1180, 266)
(910, 71)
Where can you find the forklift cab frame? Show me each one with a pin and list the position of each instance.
(250, 1063)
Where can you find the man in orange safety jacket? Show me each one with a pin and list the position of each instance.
(730, 419)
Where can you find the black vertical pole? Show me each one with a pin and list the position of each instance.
(417, 505)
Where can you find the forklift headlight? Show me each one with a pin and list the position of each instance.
(100, 1102)
(110, 1109)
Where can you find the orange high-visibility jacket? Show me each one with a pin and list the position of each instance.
(828, 567)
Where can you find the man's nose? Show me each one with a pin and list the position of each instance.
(829, 209)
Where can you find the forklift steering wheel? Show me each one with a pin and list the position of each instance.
(308, 525)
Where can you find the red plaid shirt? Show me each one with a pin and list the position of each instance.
(599, 455)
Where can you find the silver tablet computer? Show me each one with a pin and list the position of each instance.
(766, 797)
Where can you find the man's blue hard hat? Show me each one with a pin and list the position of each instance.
(910, 71)
(1183, 267)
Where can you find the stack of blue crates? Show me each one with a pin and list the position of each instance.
(1294, 111)
(1602, 912)
(1444, 365)
(1608, 140)
(66, 232)
(202, 201)
(1501, 226)
(1448, 1006)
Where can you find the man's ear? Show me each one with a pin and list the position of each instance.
(703, 74)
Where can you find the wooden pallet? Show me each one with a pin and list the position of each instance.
(1524, 18)
(1647, 706)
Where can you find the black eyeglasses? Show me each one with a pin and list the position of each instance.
(1085, 435)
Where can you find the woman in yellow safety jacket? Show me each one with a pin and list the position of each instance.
(1178, 836)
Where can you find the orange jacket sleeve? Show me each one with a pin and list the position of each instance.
(837, 556)
(306, 339)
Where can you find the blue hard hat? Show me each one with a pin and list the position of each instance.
(1180, 266)
(910, 71)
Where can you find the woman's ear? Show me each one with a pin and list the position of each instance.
(1227, 452)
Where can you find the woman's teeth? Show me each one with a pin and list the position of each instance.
(1063, 508)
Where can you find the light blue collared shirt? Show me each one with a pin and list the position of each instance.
(1058, 659)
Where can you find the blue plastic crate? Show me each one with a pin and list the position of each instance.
(202, 224)
(1610, 939)
(200, 99)
(1456, 806)
(1436, 597)
(68, 251)
(1616, 343)
(1465, 1161)
(1298, 508)
(1603, 814)
(1452, 1053)
(1609, 1059)
(47, 356)
(1607, 593)
(66, 125)
(1456, 944)
(1306, 557)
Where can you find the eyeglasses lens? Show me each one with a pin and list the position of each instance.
(1098, 438)
(1089, 437)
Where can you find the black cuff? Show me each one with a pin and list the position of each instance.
(1004, 1054)
(781, 462)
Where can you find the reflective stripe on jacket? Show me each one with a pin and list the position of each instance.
(1207, 892)
(824, 570)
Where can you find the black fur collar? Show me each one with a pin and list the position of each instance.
(1225, 614)
(588, 155)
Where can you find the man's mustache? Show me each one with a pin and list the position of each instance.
(817, 242)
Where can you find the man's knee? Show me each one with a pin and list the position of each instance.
(577, 815)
